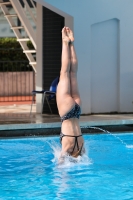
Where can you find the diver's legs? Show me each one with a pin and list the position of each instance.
(73, 69)
(64, 99)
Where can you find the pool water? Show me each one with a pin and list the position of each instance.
(29, 169)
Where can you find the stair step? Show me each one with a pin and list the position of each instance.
(23, 39)
(29, 51)
(5, 3)
(32, 63)
(11, 15)
(17, 27)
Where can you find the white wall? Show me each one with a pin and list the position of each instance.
(104, 66)
(104, 43)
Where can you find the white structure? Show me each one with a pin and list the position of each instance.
(104, 43)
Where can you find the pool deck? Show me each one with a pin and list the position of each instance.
(17, 117)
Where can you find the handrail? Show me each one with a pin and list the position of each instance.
(33, 4)
(21, 12)
(29, 10)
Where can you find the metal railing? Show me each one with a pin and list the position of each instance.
(17, 80)
(29, 8)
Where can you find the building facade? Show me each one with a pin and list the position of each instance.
(104, 44)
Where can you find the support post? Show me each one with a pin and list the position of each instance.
(39, 40)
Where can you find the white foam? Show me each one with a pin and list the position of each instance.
(69, 161)
(129, 146)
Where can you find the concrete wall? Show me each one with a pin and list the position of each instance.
(104, 43)
(16, 83)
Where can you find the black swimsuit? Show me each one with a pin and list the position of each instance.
(74, 113)
(76, 142)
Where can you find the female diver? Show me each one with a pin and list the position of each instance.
(68, 99)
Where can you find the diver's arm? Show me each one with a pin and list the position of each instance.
(62, 157)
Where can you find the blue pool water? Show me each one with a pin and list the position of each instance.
(29, 169)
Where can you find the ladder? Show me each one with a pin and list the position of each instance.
(30, 32)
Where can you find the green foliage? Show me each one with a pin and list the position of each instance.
(11, 51)
(30, 45)
(9, 43)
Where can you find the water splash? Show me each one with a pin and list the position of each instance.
(129, 146)
(69, 161)
(105, 131)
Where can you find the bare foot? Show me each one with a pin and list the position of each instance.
(65, 37)
(70, 34)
